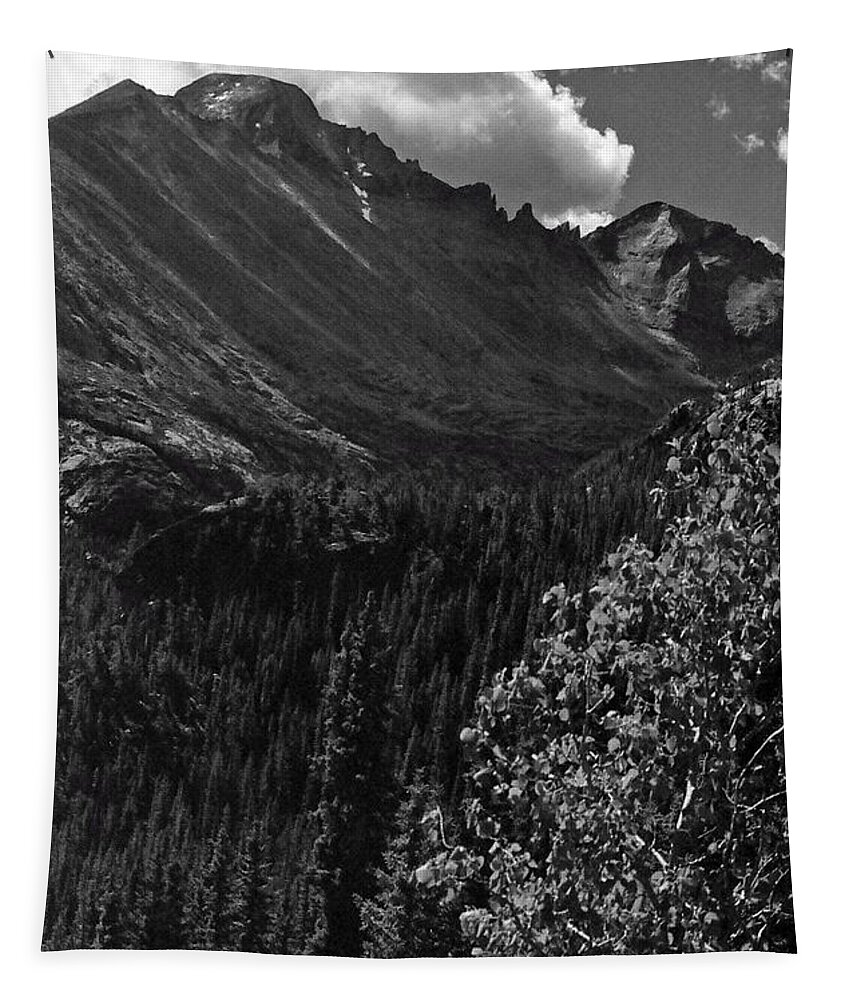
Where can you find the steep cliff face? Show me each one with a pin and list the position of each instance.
(244, 289)
(716, 291)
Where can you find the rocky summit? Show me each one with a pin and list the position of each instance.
(245, 290)
(717, 292)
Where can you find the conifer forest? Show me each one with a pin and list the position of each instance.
(415, 715)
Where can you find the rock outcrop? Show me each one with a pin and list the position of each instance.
(718, 292)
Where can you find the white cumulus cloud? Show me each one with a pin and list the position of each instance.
(529, 141)
(747, 61)
(770, 244)
(586, 219)
(772, 69)
(751, 142)
(782, 144)
(718, 107)
(776, 72)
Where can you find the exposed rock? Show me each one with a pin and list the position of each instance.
(525, 222)
(250, 102)
(565, 234)
(718, 291)
(115, 482)
(245, 290)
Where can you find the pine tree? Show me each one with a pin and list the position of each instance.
(403, 920)
(354, 798)
(253, 900)
(209, 918)
(163, 926)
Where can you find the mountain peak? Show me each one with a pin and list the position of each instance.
(292, 295)
(660, 208)
(660, 221)
(703, 281)
(118, 95)
(245, 100)
(655, 213)
(524, 221)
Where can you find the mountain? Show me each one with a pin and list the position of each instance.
(717, 292)
(244, 289)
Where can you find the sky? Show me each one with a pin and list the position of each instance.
(581, 145)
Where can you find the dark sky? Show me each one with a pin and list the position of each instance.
(686, 155)
(583, 145)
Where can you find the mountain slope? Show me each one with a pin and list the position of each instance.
(244, 289)
(717, 292)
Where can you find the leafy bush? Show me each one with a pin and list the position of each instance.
(626, 789)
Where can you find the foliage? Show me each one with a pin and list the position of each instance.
(403, 919)
(195, 664)
(230, 713)
(626, 788)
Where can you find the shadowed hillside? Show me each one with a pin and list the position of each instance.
(244, 290)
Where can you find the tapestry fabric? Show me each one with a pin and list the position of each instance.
(419, 497)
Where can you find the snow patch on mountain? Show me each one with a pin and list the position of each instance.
(320, 223)
(366, 208)
(363, 195)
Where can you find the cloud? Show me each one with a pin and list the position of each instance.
(527, 139)
(776, 72)
(586, 219)
(74, 76)
(770, 244)
(718, 107)
(747, 61)
(782, 144)
(751, 142)
(530, 141)
(773, 70)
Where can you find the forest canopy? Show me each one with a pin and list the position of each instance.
(625, 789)
(600, 771)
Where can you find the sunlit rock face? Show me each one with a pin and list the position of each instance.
(700, 281)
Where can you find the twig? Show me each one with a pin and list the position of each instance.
(762, 746)
(762, 802)
(652, 850)
(440, 825)
(686, 800)
(735, 720)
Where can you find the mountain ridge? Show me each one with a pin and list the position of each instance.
(244, 289)
(701, 281)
